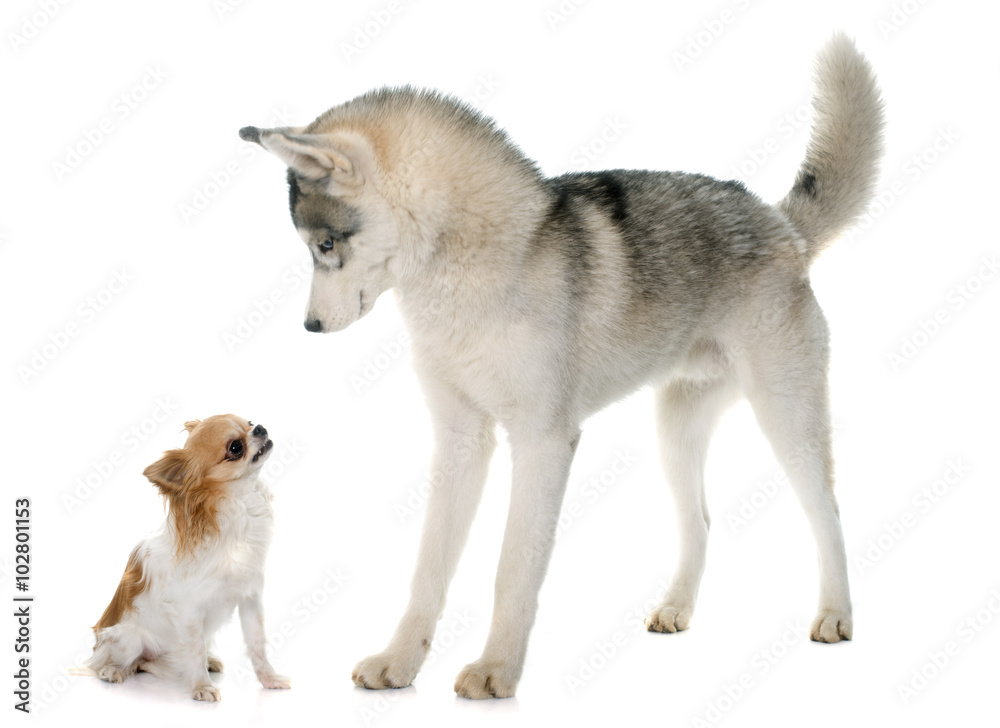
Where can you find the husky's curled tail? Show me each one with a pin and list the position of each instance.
(837, 178)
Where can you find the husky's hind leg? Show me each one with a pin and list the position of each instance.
(784, 377)
(687, 414)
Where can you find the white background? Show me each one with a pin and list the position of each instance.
(604, 80)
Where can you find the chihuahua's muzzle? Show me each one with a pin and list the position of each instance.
(259, 431)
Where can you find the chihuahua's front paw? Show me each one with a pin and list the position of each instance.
(393, 668)
(275, 682)
(207, 693)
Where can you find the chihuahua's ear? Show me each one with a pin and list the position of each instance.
(190, 425)
(174, 472)
(333, 158)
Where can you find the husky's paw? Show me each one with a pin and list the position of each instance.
(214, 664)
(389, 669)
(831, 625)
(480, 680)
(111, 674)
(207, 693)
(670, 617)
(275, 682)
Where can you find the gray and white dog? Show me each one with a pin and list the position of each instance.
(535, 302)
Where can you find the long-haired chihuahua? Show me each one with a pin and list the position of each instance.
(183, 582)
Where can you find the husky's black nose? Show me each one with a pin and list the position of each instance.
(314, 326)
(259, 431)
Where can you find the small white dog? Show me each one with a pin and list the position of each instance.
(183, 582)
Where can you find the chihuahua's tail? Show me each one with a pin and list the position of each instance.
(837, 178)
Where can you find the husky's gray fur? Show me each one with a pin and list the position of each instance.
(535, 302)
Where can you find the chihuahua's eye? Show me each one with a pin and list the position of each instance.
(236, 448)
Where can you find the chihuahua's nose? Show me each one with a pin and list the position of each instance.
(259, 431)
(314, 326)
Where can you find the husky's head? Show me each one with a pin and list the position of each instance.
(349, 228)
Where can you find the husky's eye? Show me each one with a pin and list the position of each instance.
(329, 255)
(236, 448)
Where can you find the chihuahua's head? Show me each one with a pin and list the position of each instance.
(219, 450)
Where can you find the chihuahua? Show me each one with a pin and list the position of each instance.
(183, 582)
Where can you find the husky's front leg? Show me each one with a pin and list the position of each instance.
(463, 447)
(541, 468)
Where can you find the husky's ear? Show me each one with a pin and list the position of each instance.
(315, 156)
